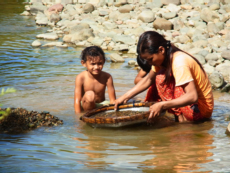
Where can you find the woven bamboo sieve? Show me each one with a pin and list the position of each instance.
(137, 118)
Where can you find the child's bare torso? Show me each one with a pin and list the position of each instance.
(96, 84)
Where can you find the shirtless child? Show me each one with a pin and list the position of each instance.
(90, 85)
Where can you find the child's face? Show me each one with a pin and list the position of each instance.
(94, 64)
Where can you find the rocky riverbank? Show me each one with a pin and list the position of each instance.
(17, 120)
(201, 29)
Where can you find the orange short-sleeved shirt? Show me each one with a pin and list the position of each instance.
(185, 69)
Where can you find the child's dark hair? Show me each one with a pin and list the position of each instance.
(91, 52)
(150, 41)
(143, 64)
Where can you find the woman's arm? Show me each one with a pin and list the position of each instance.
(142, 85)
(188, 98)
(140, 76)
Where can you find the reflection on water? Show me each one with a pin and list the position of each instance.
(44, 79)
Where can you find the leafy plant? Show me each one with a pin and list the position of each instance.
(6, 112)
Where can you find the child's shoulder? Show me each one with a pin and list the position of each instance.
(105, 74)
(81, 75)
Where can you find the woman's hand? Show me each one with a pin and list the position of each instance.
(155, 111)
(119, 101)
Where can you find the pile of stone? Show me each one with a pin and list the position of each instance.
(201, 28)
(17, 120)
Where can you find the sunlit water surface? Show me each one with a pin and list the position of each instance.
(44, 80)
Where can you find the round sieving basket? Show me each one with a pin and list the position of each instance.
(120, 121)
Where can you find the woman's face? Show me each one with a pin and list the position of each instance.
(155, 59)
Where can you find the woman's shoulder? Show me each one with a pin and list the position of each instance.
(180, 57)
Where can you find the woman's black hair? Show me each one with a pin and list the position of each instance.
(92, 51)
(150, 41)
(143, 64)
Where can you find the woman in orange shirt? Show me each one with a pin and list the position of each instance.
(179, 79)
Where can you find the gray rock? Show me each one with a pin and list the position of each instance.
(194, 51)
(182, 39)
(226, 54)
(132, 49)
(109, 25)
(213, 63)
(226, 7)
(103, 13)
(146, 16)
(54, 17)
(88, 8)
(124, 39)
(162, 24)
(82, 35)
(169, 15)
(208, 15)
(116, 58)
(113, 15)
(79, 27)
(132, 62)
(97, 41)
(214, 6)
(216, 79)
(211, 56)
(203, 52)
(37, 7)
(36, 43)
(212, 28)
(25, 13)
(178, 24)
(197, 37)
(224, 70)
(209, 69)
(124, 16)
(173, 8)
(200, 43)
(166, 2)
(48, 36)
(154, 4)
(200, 58)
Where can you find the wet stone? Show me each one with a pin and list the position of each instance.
(21, 120)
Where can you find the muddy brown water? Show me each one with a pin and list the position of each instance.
(44, 80)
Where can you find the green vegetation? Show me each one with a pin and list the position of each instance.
(6, 112)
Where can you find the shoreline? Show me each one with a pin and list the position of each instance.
(202, 30)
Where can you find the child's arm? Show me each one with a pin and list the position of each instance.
(111, 90)
(78, 94)
(140, 76)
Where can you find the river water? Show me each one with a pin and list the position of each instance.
(44, 80)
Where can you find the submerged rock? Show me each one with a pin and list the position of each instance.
(21, 120)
